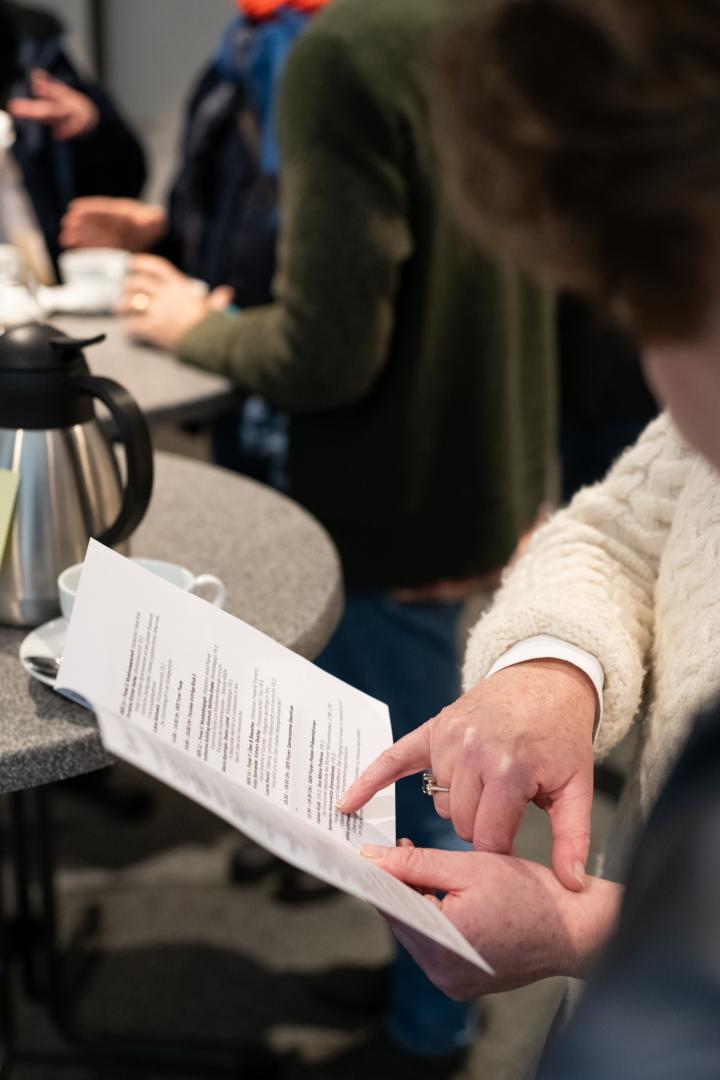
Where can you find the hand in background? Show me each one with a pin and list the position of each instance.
(67, 112)
(515, 913)
(104, 221)
(162, 303)
(523, 735)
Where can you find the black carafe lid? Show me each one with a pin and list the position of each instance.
(37, 367)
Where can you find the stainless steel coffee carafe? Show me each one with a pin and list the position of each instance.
(70, 485)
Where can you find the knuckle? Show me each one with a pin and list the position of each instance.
(446, 718)
(382, 765)
(434, 721)
(463, 832)
(499, 845)
(471, 738)
(457, 722)
(392, 755)
(406, 859)
(506, 763)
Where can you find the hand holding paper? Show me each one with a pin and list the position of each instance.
(242, 725)
(530, 927)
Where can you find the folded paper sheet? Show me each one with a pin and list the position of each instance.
(240, 724)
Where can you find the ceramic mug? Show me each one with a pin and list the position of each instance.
(69, 580)
(98, 272)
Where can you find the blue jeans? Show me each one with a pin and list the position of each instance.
(405, 655)
(253, 442)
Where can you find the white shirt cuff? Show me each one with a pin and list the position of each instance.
(545, 646)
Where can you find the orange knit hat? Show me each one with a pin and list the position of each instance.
(260, 9)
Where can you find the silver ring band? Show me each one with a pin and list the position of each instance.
(430, 787)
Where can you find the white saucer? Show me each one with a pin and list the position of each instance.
(46, 640)
(80, 298)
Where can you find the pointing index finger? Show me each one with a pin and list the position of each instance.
(408, 755)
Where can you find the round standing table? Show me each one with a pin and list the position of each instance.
(167, 390)
(282, 575)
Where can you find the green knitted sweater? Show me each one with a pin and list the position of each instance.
(420, 375)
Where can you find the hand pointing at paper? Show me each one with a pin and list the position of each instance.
(523, 735)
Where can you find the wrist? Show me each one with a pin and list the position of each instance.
(590, 918)
(149, 223)
(557, 686)
(547, 647)
(570, 683)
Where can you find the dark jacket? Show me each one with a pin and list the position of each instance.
(601, 381)
(107, 161)
(653, 1010)
(419, 374)
(222, 212)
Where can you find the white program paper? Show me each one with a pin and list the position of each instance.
(240, 724)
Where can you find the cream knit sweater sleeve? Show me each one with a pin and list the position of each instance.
(588, 575)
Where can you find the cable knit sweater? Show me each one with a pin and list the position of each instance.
(628, 572)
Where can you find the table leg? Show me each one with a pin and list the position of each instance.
(252, 1063)
(24, 925)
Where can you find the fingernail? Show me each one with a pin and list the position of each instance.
(373, 851)
(579, 871)
(340, 804)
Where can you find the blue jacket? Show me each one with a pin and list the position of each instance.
(223, 215)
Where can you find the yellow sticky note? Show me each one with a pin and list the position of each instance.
(9, 482)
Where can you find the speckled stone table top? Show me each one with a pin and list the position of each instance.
(282, 575)
(166, 390)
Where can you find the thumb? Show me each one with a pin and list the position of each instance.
(570, 819)
(423, 868)
(221, 297)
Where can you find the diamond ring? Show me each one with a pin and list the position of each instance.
(429, 786)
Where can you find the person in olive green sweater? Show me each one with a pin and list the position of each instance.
(419, 376)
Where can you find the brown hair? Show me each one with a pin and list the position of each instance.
(583, 140)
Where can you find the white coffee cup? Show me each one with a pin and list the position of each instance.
(69, 580)
(98, 272)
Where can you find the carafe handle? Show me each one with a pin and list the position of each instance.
(134, 434)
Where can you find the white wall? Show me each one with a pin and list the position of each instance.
(154, 50)
(73, 13)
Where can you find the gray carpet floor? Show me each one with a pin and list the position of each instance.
(179, 953)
